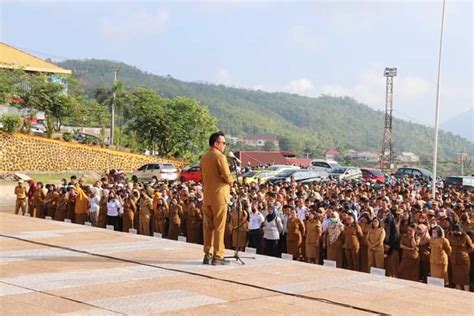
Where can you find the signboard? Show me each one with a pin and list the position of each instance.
(110, 227)
(132, 231)
(377, 271)
(157, 235)
(250, 250)
(329, 263)
(182, 238)
(287, 256)
(436, 281)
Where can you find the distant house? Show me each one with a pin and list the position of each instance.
(331, 154)
(232, 139)
(408, 157)
(259, 140)
(351, 154)
(367, 156)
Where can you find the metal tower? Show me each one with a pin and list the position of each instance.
(386, 157)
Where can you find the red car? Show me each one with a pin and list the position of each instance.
(371, 174)
(191, 174)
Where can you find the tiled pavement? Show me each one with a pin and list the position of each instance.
(49, 267)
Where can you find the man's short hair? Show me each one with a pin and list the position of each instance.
(214, 137)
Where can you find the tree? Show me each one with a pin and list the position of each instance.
(269, 146)
(10, 122)
(175, 127)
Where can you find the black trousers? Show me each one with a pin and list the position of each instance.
(115, 221)
(255, 240)
(272, 247)
(283, 247)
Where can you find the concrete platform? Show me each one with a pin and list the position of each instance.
(49, 267)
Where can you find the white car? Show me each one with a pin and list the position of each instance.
(155, 171)
(321, 164)
(280, 168)
(346, 173)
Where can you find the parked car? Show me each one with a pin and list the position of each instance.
(298, 175)
(156, 171)
(467, 182)
(38, 128)
(280, 168)
(83, 138)
(416, 173)
(375, 175)
(321, 164)
(345, 173)
(253, 176)
(192, 173)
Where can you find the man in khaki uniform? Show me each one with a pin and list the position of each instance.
(81, 208)
(216, 179)
(20, 192)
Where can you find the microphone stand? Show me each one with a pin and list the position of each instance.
(236, 255)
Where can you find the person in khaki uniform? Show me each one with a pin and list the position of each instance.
(175, 216)
(216, 180)
(102, 218)
(61, 206)
(144, 215)
(440, 251)
(313, 238)
(81, 208)
(294, 238)
(334, 239)
(239, 230)
(20, 192)
(38, 201)
(162, 215)
(51, 200)
(460, 261)
(364, 223)
(129, 209)
(375, 248)
(409, 268)
(352, 236)
(194, 224)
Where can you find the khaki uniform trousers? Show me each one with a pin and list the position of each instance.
(376, 259)
(20, 203)
(214, 227)
(80, 218)
(144, 223)
(352, 259)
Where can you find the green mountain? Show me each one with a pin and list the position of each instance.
(304, 124)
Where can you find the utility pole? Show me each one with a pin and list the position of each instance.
(387, 147)
(112, 114)
(462, 158)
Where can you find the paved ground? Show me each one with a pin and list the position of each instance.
(49, 267)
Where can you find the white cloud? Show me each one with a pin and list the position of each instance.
(301, 86)
(224, 77)
(136, 24)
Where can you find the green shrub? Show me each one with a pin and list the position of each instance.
(11, 122)
(67, 137)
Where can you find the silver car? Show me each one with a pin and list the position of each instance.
(155, 171)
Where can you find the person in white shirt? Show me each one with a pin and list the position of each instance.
(255, 228)
(113, 210)
(271, 233)
(301, 209)
(94, 205)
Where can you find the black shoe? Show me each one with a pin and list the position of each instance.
(220, 262)
(207, 259)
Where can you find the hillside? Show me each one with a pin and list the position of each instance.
(462, 124)
(307, 124)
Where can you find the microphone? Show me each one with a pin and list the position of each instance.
(231, 155)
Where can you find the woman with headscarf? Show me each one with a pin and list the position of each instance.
(334, 239)
(61, 205)
(294, 238)
(38, 201)
(144, 215)
(364, 223)
(352, 237)
(102, 218)
(375, 248)
(129, 210)
(94, 205)
(162, 215)
(194, 225)
(460, 262)
(31, 192)
(272, 227)
(422, 231)
(440, 251)
(409, 268)
(114, 208)
(175, 215)
(239, 220)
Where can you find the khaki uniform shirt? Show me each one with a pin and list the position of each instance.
(216, 178)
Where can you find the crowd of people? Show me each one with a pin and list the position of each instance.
(399, 227)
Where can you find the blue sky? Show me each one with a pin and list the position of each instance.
(311, 47)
